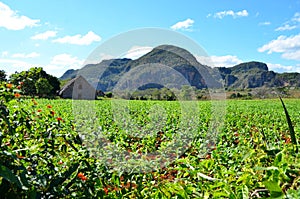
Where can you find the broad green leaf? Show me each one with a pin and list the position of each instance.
(274, 189)
(9, 176)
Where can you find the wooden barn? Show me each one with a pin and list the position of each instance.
(78, 88)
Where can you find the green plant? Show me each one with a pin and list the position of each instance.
(291, 128)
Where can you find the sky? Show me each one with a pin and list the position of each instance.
(61, 34)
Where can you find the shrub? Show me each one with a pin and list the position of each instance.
(40, 156)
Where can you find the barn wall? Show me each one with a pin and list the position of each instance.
(67, 93)
(83, 90)
(79, 89)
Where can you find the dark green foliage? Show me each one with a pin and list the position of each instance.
(36, 81)
(39, 153)
(2, 76)
(43, 87)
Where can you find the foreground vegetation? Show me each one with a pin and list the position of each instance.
(42, 156)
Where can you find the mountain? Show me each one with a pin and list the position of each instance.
(256, 74)
(162, 61)
(69, 74)
(167, 63)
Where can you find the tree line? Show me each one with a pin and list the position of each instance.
(33, 82)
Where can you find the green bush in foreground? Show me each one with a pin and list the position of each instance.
(40, 155)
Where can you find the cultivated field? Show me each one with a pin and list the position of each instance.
(148, 149)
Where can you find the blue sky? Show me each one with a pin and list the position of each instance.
(60, 34)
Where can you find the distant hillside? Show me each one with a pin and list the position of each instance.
(256, 74)
(245, 75)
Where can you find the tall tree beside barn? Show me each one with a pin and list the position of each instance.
(36, 82)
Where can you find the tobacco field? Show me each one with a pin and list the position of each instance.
(126, 149)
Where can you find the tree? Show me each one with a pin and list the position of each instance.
(36, 81)
(43, 87)
(188, 92)
(2, 76)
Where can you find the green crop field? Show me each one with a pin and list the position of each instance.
(148, 149)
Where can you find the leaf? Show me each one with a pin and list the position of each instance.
(206, 177)
(265, 168)
(9, 176)
(291, 128)
(65, 176)
(274, 189)
(245, 192)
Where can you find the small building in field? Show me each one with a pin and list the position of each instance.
(78, 88)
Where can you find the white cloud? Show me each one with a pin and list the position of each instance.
(44, 35)
(288, 46)
(78, 39)
(279, 67)
(57, 66)
(285, 27)
(23, 55)
(66, 60)
(137, 51)
(231, 60)
(291, 24)
(11, 66)
(97, 58)
(296, 17)
(222, 14)
(266, 23)
(4, 54)
(12, 21)
(219, 61)
(61, 63)
(243, 13)
(183, 25)
(293, 55)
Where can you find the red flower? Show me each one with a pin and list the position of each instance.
(82, 176)
(17, 95)
(49, 106)
(39, 110)
(105, 189)
(59, 119)
(52, 113)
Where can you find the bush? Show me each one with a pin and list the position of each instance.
(41, 156)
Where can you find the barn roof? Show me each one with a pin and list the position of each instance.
(71, 82)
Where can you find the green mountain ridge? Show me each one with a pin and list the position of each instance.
(106, 74)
